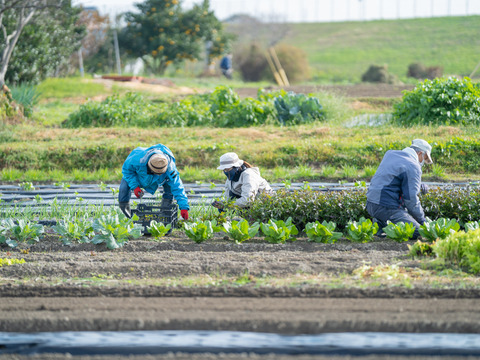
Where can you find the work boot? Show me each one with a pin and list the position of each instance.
(125, 207)
(166, 203)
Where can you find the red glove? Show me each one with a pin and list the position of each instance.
(184, 214)
(138, 192)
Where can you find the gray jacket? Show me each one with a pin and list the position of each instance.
(248, 186)
(396, 184)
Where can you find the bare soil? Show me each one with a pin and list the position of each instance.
(87, 287)
(363, 90)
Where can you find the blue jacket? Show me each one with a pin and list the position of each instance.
(135, 173)
(396, 184)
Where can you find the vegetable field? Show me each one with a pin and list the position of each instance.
(289, 263)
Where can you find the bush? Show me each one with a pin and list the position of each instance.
(460, 249)
(294, 61)
(462, 204)
(251, 62)
(8, 107)
(419, 71)
(440, 102)
(27, 96)
(379, 74)
(305, 206)
(131, 110)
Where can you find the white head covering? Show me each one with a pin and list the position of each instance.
(229, 160)
(423, 146)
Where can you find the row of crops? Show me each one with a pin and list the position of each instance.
(447, 101)
(442, 237)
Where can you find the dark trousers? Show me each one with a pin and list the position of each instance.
(382, 214)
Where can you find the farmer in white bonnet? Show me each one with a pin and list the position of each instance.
(244, 182)
(149, 168)
(393, 192)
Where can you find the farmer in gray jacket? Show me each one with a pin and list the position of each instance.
(244, 182)
(393, 191)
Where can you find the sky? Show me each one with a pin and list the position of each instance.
(314, 10)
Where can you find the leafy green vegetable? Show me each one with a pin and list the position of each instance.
(279, 231)
(24, 231)
(115, 230)
(362, 230)
(420, 249)
(9, 262)
(441, 228)
(322, 233)
(460, 249)
(298, 109)
(400, 232)
(157, 230)
(201, 231)
(241, 230)
(79, 230)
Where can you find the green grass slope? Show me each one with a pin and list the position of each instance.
(342, 52)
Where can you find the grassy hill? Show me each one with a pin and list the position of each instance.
(342, 52)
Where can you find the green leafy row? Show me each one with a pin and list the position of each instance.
(114, 230)
(341, 207)
(221, 108)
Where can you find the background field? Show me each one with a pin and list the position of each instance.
(343, 51)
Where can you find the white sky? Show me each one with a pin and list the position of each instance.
(314, 10)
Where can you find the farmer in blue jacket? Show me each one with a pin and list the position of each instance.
(148, 168)
(393, 192)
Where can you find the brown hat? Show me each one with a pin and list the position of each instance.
(158, 163)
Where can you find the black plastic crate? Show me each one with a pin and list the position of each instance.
(165, 215)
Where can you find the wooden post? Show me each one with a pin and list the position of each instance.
(474, 70)
(279, 66)
(276, 75)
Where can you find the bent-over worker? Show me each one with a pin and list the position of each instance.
(393, 191)
(149, 168)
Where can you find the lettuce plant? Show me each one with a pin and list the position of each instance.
(201, 231)
(241, 230)
(78, 230)
(158, 229)
(322, 233)
(460, 249)
(114, 230)
(420, 249)
(441, 228)
(24, 231)
(361, 231)
(400, 232)
(9, 262)
(279, 231)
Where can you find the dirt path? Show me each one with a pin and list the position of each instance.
(293, 288)
(363, 90)
(279, 315)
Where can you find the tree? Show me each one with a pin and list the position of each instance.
(162, 33)
(97, 34)
(46, 42)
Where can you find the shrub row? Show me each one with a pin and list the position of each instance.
(304, 206)
(221, 108)
(440, 101)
